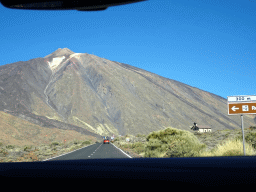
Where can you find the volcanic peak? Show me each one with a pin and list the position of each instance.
(60, 52)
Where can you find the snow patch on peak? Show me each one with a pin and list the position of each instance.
(55, 62)
(75, 54)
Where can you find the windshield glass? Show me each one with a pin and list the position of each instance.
(147, 79)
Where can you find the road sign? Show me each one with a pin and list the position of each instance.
(241, 98)
(242, 104)
(241, 108)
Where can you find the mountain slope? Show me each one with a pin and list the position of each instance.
(20, 131)
(106, 97)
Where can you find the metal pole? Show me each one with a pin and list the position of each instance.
(243, 132)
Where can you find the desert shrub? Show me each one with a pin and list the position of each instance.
(173, 143)
(74, 147)
(252, 127)
(234, 146)
(117, 139)
(197, 133)
(54, 144)
(26, 148)
(162, 133)
(154, 144)
(137, 144)
(126, 146)
(152, 154)
(1, 144)
(140, 135)
(86, 142)
(139, 149)
(10, 146)
(249, 138)
(184, 149)
(233, 152)
(3, 151)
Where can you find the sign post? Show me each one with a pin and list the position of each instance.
(239, 105)
(243, 132)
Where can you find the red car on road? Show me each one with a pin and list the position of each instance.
(106, 141)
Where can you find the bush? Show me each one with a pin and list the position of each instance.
(137, 144)
(74, 147)
(140, 135)
(54, 144)
(126, 146)
(172, 142)
(233, 152)
(184, 149)
(26, 148)
(3, 151)
(249, 138)
(139, 149)
(230, 147)
(152, 154)
(86, 142)
(1, 144)
(163, 133)
(117, 139)
(10, 146)
(154, 144)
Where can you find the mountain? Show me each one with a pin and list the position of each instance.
(95, 96)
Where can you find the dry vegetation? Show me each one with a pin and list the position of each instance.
(170, 142)
(22, 141)
(173, 142)
(28, 153)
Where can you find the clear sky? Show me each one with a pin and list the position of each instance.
(206, 44)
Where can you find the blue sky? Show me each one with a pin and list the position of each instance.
(205, 44)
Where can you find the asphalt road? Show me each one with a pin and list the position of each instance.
(94, 151)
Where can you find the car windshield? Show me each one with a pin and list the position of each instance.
(149, 79)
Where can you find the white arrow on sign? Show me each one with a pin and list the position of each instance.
(234, 108)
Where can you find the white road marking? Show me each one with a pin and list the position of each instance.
(69, 152)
